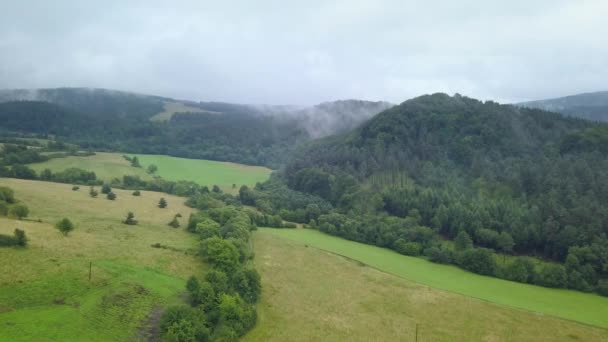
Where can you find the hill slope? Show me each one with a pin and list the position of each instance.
(310, 294)
(135, 123)
(437, 167)
(592, 106)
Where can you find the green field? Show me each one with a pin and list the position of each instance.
(106, 166)
(582, 307)
(45, 294)
(309, 294)
(176, 107)
(206, 172)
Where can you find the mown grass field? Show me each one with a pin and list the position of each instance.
(175, 107)
(582, 307)
(313, 295)
(206, 172)
(45, 294)
(106, 166)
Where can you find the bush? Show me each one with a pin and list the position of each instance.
(478, 260)
(75, 188)
(19, 211)
(106, 188)
(162, 203)
(174, 223)
(136, 193)
(3, 209)
(408, 248)
(65, 226)
(440, 255)
(20, 238)
(130, 220)
(602, 287)
(111, 196)
(289, 225)
(7, 195)
(92, 192)
(552, 275)
(520, 270)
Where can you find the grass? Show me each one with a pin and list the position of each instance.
(106, 166)
(582, 307)
(176, 107)
(309, 294)
(45, 293)
(206, 172)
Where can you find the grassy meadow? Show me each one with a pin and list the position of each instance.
(206, 172)
(176, 107)
(45, 293)
(573, 305)
(106, 166)
(310, 295)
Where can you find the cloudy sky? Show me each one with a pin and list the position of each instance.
(305, 52)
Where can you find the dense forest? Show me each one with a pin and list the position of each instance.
(99, 119)
(488, 177)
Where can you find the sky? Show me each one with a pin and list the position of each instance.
(306, 52)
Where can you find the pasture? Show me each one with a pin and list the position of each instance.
(45, 292)
(106, 166)
(206, 172)
(572, 305)
(171, 107)
(309, 294)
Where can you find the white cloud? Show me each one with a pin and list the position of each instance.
(310, 51)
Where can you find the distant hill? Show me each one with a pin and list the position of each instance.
(453, 167)
(591, 106)
(116, 120)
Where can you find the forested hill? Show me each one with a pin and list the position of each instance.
(592, 106)
(508, 178)
(104, 119)
(91, 101)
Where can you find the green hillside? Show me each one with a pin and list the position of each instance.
(45, 292)
(310, 294)
(572, 305)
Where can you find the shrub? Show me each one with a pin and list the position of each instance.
(92, 192)
(7, 195)
(174, 223)
(162, 203)
(106, 188)
(3, 209)
(19, 211)
(65, 226)
(111, 196)
(130, 220)
(440, 255)
(411, 248)
(20, 238)
(75, 188)
(478, 260)
(602, 287)
(289, 225)
(136, 193)
(552, 275)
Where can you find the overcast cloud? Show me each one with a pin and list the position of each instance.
(287, 52)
